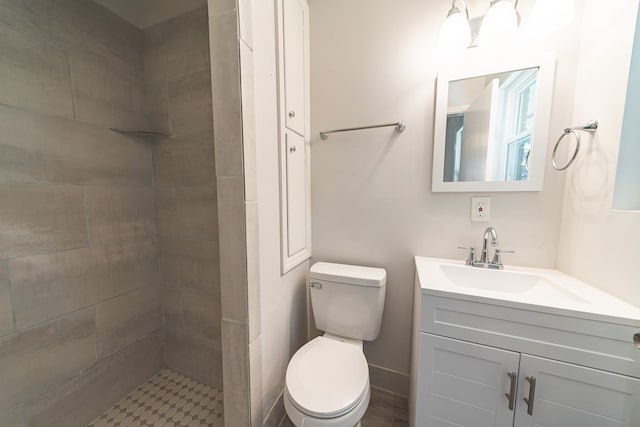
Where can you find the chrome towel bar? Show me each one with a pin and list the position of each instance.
(400, 126)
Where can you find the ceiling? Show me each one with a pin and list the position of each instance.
(146, 13)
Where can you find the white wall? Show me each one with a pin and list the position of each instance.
(375, 62)
(283, 298)
(464, 92)
(598, 245)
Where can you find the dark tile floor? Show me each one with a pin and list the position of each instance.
(385, 409)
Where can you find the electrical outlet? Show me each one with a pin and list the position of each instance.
(480, 209)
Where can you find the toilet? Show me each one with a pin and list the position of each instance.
(327, 380)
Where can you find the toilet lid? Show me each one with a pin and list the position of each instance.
(327, 378)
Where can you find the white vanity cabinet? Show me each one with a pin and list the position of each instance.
(467, 384)
(475, 360)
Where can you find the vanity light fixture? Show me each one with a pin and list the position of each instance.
(455, 33)
(499, 24)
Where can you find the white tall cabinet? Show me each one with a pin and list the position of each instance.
(483, 363)
(294, 128)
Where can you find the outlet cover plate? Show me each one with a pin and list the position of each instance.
(480, 209)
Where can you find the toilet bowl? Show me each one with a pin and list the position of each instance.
(327, 379)
(352, 418)
(327, 383)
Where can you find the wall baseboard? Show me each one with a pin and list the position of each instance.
(276, 414)
(389, 380)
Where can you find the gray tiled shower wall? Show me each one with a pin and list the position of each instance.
(100, 268)
(176, 61)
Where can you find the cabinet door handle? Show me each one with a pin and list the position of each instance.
(636, 340)
(292, 114)
(511, 396)
(532, 394)
(292, 149)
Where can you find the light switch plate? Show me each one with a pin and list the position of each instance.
(480, 209)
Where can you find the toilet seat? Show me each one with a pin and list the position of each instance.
(327, 377)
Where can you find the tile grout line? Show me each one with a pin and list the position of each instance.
(77, 310)
(160, 285)
(85, 211)
(95, 318)
(72, 87)
(11, 298)
(167, 96)
(93, 125)
(100, 245)
(79, 184)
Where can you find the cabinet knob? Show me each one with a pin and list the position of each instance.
(292, 114)
(636, 339)
(292, 149)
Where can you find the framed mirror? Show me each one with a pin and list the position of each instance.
(492, 125)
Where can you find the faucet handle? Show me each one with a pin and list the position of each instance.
(497, 259)
(472, 254)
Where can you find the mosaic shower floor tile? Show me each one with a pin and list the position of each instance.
(168, 399)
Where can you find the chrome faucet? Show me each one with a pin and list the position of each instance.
(490, 236)
(490, 232)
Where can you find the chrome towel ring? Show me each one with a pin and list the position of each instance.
(592, 126)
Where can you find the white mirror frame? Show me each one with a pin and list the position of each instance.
(544, 94)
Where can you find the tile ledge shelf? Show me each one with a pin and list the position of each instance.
(141, 133)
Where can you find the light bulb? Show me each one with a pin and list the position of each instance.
(499, 25)
(548, 16)
(455, 33)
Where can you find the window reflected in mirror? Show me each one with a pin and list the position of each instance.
(489, 128)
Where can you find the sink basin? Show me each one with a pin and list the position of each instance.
(505, 281)
(549, 290)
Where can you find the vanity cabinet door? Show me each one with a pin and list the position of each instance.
(569, 395)
(463, 384)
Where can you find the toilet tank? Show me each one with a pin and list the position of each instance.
(347, 300)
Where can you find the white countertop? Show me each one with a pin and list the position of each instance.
(521, 287)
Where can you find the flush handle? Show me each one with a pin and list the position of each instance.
(511, 396)
(636, 340)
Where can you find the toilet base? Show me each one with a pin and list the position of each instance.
(357, 425)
